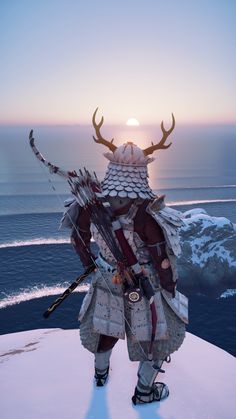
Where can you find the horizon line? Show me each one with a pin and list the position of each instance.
(131, 127)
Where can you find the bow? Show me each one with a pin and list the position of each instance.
(87, 191)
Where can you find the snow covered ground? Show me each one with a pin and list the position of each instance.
(48, 374)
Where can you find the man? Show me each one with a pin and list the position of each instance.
(151, 230)
(135, 296)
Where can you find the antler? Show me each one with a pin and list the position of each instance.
(100, 139)
(161, 144)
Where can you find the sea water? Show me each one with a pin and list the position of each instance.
(37, 261)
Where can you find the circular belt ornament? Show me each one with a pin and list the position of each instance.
(134, 295)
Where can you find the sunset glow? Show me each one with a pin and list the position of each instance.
(132, 122)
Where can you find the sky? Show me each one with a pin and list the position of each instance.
(60, 59)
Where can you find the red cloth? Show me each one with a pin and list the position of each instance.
(147, 229)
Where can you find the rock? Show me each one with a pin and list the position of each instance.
(207, 264)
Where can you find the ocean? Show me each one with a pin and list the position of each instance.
(37, 262)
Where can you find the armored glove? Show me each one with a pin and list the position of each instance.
(166, 279)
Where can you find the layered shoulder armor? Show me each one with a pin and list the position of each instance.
(71, 213)
(170, 220)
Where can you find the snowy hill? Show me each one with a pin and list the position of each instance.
(47, 374)
(208, 260)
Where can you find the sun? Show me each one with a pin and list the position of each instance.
(132, 122)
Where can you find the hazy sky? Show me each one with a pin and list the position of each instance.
(60, 59)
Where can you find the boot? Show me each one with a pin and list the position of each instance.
(101, 376)
(147, 390)
(102, 360)
(157, 392)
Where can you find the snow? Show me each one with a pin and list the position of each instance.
(208, 237)
(214, 249)
(194, 211)
(230, 292)
(48, 374)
